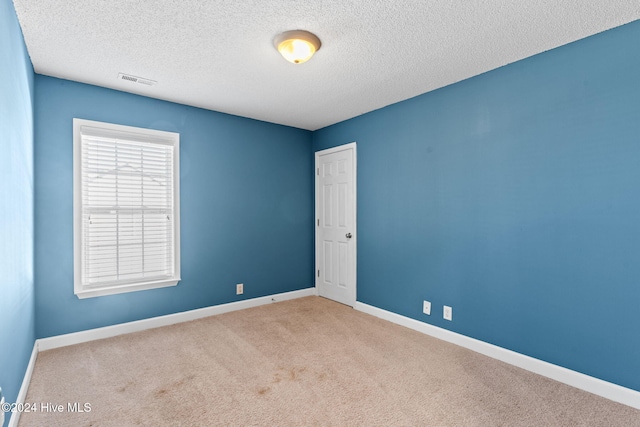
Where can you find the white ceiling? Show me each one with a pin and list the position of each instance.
(218, 54)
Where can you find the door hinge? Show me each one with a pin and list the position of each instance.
(318, 171)
(318, 222)
(318, 273)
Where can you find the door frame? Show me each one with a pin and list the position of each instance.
(353, 247)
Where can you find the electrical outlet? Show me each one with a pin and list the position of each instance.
(239, 289)
(426, 307)
(447, 313)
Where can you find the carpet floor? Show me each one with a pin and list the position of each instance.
(305, 362)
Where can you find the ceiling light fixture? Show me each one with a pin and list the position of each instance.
(297, 46)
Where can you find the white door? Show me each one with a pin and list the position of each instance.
(336, 223)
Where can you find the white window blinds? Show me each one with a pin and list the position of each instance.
(128, 233)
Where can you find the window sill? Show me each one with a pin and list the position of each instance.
(112, 290)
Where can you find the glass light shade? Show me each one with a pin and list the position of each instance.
(296, 51)
(297, 46)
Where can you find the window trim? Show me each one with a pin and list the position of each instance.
(140, 134)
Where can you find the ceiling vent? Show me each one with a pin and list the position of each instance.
(134, 79)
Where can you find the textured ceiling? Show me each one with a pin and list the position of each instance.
(219, 55)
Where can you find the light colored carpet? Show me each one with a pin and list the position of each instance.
(304, 362)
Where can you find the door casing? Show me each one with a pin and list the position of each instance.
(352, 247)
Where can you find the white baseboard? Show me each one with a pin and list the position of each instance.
(170, 319)
(584, 382)
(22, 394)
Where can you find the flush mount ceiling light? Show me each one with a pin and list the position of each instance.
(297, 46)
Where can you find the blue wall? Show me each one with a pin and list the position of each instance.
(246, 207)
(514, 197)
(16, 204)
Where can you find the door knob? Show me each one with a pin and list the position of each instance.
(348, 235)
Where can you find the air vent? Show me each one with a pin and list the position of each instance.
(139, 80)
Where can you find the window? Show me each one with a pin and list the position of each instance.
(126, 208)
